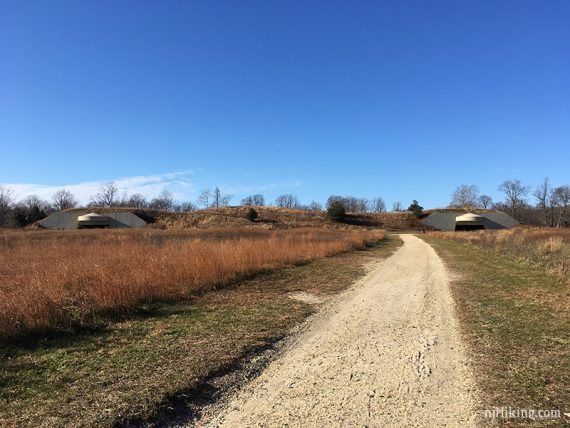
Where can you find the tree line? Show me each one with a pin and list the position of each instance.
(33, 208)
(550, 208)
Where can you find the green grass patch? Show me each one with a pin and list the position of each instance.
(516, 319)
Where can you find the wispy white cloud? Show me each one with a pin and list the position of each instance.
(179, 183)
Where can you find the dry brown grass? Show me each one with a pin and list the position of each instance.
(163, 362)
(282, 218)
(269, 218)
(60, 279)
(549, 248)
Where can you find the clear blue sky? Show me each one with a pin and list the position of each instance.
(402, 99)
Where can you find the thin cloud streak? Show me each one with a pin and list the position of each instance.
(180, 183)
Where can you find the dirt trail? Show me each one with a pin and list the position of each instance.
(387, 353)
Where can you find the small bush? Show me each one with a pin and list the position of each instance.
(251, 214)
(336, 211)
(416, 209)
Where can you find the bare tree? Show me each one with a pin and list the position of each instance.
(542, 194)
(220, 200)
(6, 200)
(164, 201)
(314, 206)
(107, 196)
(465, 196)
(287, 201)
(485, 201)
(63, 200)
(257, 200)
(123, 201)
(204, 198)
(137, 200)
(334, 200)
(349, 203)
(561, 198)
(378, 205)
(552, 205)
(397, 206)
(357, 205)
(515, 193)
(187, 207)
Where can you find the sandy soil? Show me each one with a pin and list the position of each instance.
(386, 353)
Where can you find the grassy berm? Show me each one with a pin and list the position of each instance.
(515, 316)
(157, 362)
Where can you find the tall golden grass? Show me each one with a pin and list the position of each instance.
(59, 279)
(549, 248)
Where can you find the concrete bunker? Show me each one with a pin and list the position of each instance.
(81, 218)
(457, 220)
(93, 221)
(469, 221)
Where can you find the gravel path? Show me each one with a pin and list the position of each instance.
(386, 354)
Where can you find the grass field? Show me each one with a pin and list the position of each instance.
(155, 363)
(548, 248)
(67, 279)
(269, 218)
(515, 315)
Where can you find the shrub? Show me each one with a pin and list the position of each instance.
(251, 214)
(24, 216)
(416, 209)
(336, 211)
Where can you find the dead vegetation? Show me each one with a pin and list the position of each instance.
(548, 248)
(269, 218)
(282, 218)
(63, 279)
(164, 361)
